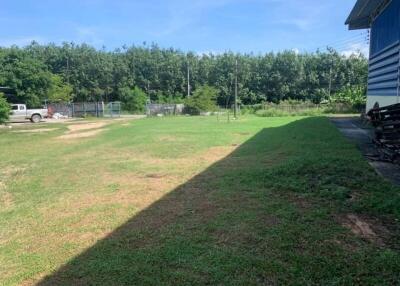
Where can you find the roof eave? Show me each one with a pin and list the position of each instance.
(362, 14)
(362, 23)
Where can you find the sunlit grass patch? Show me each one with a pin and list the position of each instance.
(190, 200)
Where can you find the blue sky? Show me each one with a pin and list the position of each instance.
(197, 25)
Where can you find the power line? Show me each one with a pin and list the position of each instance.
(362, 38)
(350, 46)
(362, 34)
(356, 45)
(359, 38)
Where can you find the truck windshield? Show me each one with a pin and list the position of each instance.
(15, 107)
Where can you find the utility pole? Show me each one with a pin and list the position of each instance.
(330, 79)
(67, 68)
(148, 90)
(330, 82)
(188, 80)
(236, 91)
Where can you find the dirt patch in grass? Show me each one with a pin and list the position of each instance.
(42, 130)
(128, 189)
(155, 176)
(86, 126)
(10, 171)
(185, 164)
(244, 133)
(134, 192)
(6, 199)
(367, 228)
(83, 130)
(217, 153)
(169, 138)
(80, 134)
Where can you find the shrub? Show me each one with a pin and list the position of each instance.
(202, 100)
(251, 109)
(133, 100)
(311, 112)
(4, 109)
(338, 108)
(271, 112)
(355, 96)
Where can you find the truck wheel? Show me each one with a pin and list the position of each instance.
(36, 118)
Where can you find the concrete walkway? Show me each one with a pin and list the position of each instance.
(353, 129)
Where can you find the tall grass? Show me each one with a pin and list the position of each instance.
(298, 108)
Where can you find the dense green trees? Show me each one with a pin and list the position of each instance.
(4, 109)
(82, 73)
(59, 90)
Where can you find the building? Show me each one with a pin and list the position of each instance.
(383, 18)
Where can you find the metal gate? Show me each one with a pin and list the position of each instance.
(113, 109)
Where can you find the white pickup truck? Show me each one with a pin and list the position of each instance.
(19, 112)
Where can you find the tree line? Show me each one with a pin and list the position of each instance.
(72, 72)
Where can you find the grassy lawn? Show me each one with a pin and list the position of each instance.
(193, 201)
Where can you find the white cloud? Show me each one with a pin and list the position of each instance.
(355, 49)
(296, 51)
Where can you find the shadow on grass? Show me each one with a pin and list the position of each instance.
(230, 225)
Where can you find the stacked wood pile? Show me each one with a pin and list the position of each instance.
(386, 121)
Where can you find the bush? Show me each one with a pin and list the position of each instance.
(251, 109)
(4, 109)
(274, 112)
(288, 108)
(348, 102)
(311, 112)
(271, 112)
(353, 96)
(341, 108)
(133, 100)
(202, 100)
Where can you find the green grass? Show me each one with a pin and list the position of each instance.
(193, 201)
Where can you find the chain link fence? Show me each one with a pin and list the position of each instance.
(154, 109)
(85, 109)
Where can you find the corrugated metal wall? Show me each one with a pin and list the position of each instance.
(385, 29)
(383, 73)
(383, 78)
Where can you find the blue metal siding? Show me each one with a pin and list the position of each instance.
(385, 29)
(383, 73)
